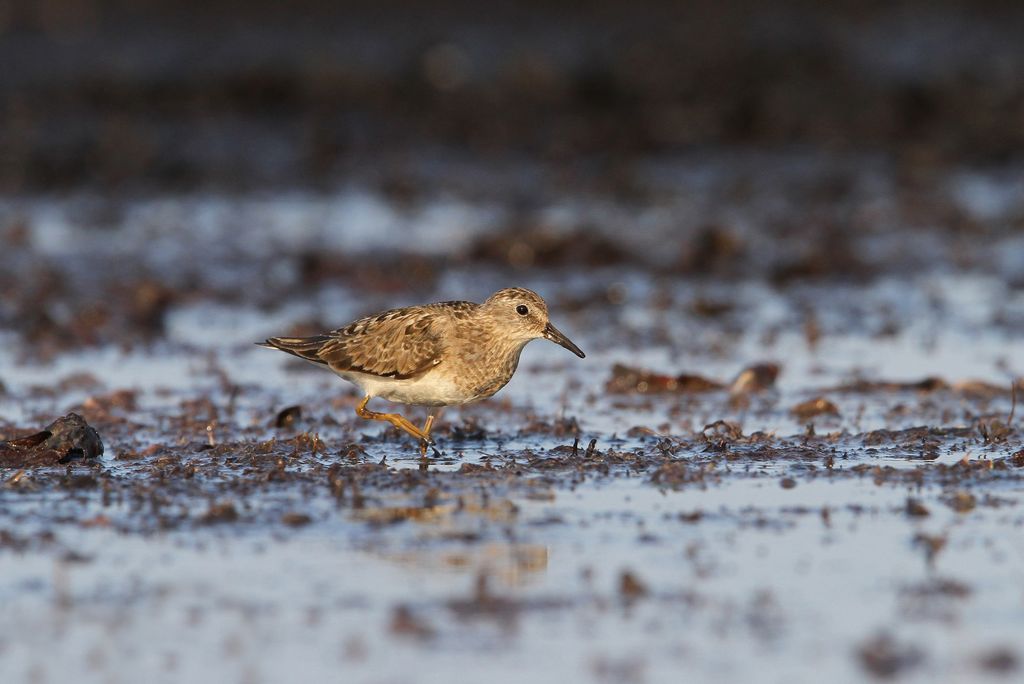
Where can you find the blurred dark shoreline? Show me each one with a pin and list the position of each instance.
(184, 96)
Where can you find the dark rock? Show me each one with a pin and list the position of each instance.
(62, 441)
(73, 438)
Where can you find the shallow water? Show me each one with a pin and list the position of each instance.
(761, 587)
(565, 532)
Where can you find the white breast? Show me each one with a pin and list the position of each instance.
(430, 389)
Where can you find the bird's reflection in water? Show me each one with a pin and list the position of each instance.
(507, 564)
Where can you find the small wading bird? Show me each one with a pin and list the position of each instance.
(434, 355)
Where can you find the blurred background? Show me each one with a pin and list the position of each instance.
(158, 95)
(711, 195)
(156, 153)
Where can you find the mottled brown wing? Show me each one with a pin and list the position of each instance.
(401, 343)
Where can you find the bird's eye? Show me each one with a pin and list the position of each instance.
(522, 310)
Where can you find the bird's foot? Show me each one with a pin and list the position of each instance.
(430, 445)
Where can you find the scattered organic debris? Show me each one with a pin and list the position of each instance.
(1000, 660)
(815, 407)
(885, 658)
(220, 512)
(627, 380)
(931, 384)
(755, 379)
(405, 623)
(531, 248)
(961, 502)
(296, 519)
(288, 417)
(630, 587)
(916, 509)
(670, 221)
(932, 544)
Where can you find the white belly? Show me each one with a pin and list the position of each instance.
(426, 390)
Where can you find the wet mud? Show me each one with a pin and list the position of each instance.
(708, 501)
(793, 452)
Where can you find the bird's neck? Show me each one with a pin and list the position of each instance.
(495, 350)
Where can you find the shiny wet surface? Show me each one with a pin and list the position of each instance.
(582, 524)
(792, 452)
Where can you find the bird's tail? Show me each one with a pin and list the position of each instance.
(307, 348)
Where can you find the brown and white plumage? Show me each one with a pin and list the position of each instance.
(433, 355)
(398, 344)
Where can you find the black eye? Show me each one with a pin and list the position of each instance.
(522, 310)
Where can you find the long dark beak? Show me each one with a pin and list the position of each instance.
(554, 334)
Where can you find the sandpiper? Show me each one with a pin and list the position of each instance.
(434, 355)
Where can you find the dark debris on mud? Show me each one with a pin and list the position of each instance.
(297, 479)
(62, 441)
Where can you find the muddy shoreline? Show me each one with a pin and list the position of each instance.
(788, 240)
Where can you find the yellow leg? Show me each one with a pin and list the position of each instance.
(396, 420)
(426, 430)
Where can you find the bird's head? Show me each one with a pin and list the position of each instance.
(523, 315)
